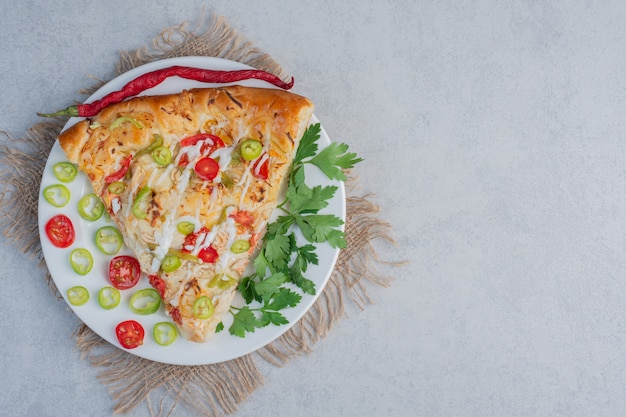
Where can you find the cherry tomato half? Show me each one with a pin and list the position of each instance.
(124, 272)
(60, 231)
(208, 255)
(207, 168)
(130, 334)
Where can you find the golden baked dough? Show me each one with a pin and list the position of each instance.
(234, 206)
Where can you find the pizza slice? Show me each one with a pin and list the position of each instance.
(191, 180)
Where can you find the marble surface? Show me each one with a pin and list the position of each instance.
(493, 134)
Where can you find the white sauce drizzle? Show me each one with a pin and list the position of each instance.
(246, 179)
(225, 155)
(116, 205)
(193, 152)
(165, 234)
(231, 229)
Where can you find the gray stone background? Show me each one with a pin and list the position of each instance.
(493, 134)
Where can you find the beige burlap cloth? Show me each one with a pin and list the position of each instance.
(209, 390)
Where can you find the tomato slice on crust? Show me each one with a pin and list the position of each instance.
(261, 168)
(207, 169)
(124, 272)
(208, 255)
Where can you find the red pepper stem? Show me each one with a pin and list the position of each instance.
(71, 111)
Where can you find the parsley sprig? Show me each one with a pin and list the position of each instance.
(280, 267)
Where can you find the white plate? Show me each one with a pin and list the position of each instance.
(223, 346)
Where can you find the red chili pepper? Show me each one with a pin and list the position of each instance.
(154, 78)
(120, 173)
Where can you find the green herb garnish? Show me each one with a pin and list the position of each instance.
(282, 260)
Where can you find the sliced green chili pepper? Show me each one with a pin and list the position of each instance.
(141, 203)
(65, 171)
(77, 296)
(227, 180)
(222, 281)
(156, 142)
(164, 333)
(185, 227)
(225, 213)
(81, 261)
(58, 195)
(203, 308)
(184, 255)
(250, 149)
(116, 187)
(109, 240)
(146, 301)
(109, 297)
(90, 207)
(162, 155)
(170, 263)
(240, 246)
(117, 122)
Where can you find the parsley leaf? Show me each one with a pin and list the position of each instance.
(284, 298)
(244, 321)
(308, 144)
(273, 317)
(297, 277)
(332, 159)
(308, 256)
(277, 251)
(270, 285)
(319, 228)
(247, 289)
(303, 199)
